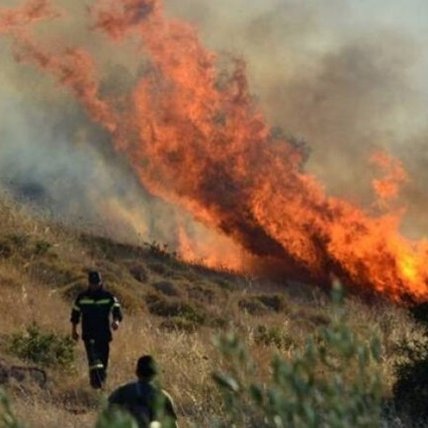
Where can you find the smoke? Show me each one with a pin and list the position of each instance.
(345, 85)
(55, 158)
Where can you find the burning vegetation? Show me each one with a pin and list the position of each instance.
(195, 137)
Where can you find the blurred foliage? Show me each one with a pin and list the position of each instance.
(116, 419)
(7, 417)
(333, 382)
(411, 387)
(41, 347)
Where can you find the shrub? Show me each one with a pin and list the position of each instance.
(201, 294)
(127, 297)
(23, 245)
(117, 419)
(333, 382)
(166, 287)
(55, 272)
(19, 241)
(274, 302)
(273, 336)
(178, 324)
(159, 268)
(160, 250)
(224, 284)
(262, 304)
(41, 247)
(41, 347)
(253, 306)
(120, 418)
(139, 273)
(7, 417)
(13, 244)
(5, 250)
(174, 308)
(411, 388)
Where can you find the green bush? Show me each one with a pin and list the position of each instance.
(163, 307)
(42, 247)
(273, 336)
(411, 387)
(120, 418)
(411, 370)
(333, 382)
(117, 419)
(7, 417)
(41, 347)
(274, 302)
(253, 306)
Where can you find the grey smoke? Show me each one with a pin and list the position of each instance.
(52, 156)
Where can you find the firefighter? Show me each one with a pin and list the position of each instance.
(94, 307)
(145, 401)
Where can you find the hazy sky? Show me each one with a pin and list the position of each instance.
(407, 16)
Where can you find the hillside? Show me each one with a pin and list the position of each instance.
(173, 311)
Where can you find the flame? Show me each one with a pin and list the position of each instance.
(388, 187)
(196, 138)
(210, 252)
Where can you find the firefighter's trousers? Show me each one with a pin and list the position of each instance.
(97, 352)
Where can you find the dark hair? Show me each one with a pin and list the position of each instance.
(146, 367)
(94, 277)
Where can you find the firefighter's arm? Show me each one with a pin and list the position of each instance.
(74, 333)
(115, 324)
(75, 317)
(117, 314)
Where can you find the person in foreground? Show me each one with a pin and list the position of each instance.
(94, 307)
(146, 402)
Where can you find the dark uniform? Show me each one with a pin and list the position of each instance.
(146, 403)
(143, 399)
(93, 307)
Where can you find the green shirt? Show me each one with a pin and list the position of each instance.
(146, 402)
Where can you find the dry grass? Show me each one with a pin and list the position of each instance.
(44, 267)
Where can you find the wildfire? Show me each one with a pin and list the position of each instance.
(210, 252)
(200, 141)
(388, 187)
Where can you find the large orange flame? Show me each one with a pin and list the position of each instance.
(197, 139)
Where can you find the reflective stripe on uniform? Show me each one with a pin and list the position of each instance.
(103, 302)
(76, 308)
(95, 302)
(116, 305)
(87, 301)
(96, 366)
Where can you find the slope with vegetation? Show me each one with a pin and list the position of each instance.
(233, 349)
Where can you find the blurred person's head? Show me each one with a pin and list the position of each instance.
(94, 280)
(146, 368)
